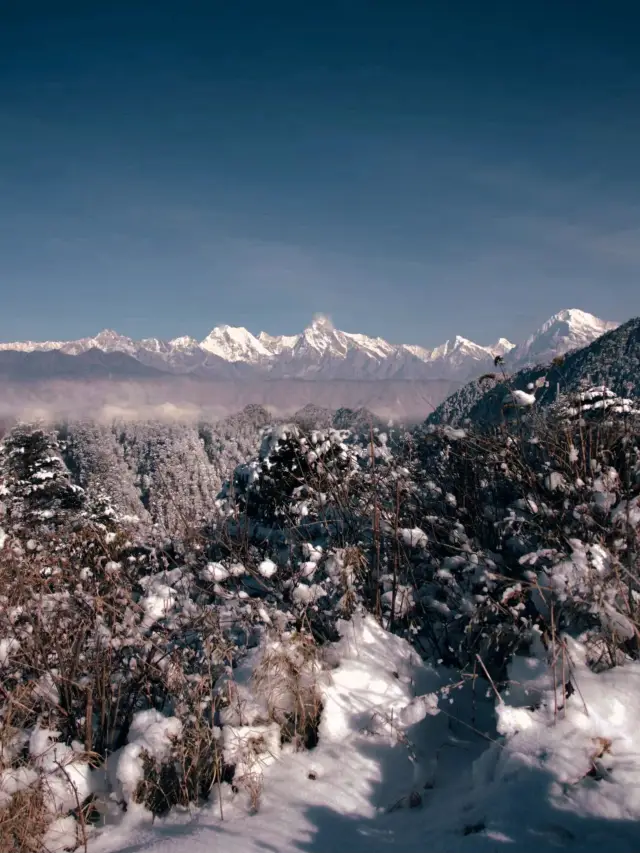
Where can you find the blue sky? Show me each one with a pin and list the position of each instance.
(415, 170)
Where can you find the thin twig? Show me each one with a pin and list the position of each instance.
(491, 682)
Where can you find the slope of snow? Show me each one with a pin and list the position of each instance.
(154, 345)
(377, 347)
(408, 761)
(461, 352)
(417, 351)
(359, 769)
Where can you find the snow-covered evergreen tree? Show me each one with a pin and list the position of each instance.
(36, 484)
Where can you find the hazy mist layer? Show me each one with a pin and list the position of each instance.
(180, 398)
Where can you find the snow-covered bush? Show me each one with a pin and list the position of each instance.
(540, 529)
(326, 518)
(300, 477)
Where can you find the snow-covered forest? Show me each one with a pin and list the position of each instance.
(329, 633)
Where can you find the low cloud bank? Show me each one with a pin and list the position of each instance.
(186, 399)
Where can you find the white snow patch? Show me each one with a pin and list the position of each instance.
(519, 398)
(62, 834)
(8, 645)
(215, 572)
(16, 779)
(251, 748)
(158, 601)
(304, 594)
(267, 568)
(150, 733)
(414, 537)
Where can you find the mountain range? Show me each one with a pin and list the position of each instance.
(320, 352)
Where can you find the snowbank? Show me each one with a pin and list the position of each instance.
(402, 763)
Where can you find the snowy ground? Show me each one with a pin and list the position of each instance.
(389, 774)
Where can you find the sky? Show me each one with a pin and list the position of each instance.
(414, 170)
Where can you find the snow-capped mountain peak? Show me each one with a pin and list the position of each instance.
(320, 338)
(108, 336)
(234, 343)
(460, 347)
(502, 347)
(330, 342)
(575, 317)
(459, 341)
(184, 342)
(107, 340)
(575, 321)
(567, 330)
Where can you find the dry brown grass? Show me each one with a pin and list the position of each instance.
(287, 677)
(23, 822)
(60, 624)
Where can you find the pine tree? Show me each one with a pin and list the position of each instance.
(36, 484)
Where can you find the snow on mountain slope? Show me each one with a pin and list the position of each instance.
(323, 352)
(279, 343)
(177, 345)
(459, 350)
(377, 347)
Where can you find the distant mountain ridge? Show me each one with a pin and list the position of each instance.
(324, 352)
